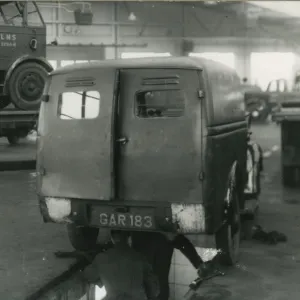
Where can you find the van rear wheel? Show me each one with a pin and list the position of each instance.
(82, 238)
(228, 236)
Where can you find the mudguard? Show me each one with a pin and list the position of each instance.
(21, 60)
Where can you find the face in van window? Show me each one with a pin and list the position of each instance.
(157, 104)
(79, 105)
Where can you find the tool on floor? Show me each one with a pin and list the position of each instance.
(272, 237)
(195, 284)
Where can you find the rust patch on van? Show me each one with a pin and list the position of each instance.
(189, 217)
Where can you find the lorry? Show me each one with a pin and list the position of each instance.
(158, 144)
(23, 67)
(264, 104)
(288, 117)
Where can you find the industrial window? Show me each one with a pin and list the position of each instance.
(79, 105)
(269, 66)
(227, 58)
(157, 104)
(144, 54)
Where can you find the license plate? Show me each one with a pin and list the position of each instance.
(125, 220)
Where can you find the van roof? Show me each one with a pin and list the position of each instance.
(140, 63)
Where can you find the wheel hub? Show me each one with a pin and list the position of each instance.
(31, 86)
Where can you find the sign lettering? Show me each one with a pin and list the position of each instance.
(8, 40)
(8, 37)
(112, 220)
(103, 219)
(121, 220)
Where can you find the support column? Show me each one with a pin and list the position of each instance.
(179, 49)
(243, 63)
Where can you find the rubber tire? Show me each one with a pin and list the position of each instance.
(12, 87)
(288, 176)
(4, 101)
(82, 238)
(229, 252)
(247, 227)
(13, 139)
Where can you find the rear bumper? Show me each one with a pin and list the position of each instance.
(165, 217)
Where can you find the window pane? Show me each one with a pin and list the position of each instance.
(281, 86)
(273, 86)
(81, 61)
(67, 62)
(79, 105)
(12, 13)
(34, 19)
(156, 104)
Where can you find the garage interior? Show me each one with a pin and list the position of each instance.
(258, 39)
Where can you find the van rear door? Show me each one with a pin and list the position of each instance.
(159, 135)
(74, 136)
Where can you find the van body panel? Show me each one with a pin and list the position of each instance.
(162, 159)
(75, 154)
(223, 149)
(169, 163)
(224, 99)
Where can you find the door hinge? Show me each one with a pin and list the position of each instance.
(201, 94)
(201, 176)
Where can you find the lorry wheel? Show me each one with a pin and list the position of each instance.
(289, 176)
(4, 101)
(26, 85)
(228, 236)
(13, 139)
(82, 238)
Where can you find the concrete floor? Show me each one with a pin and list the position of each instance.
(264, 271)
(24, 151)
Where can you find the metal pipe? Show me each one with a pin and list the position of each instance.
(83, 105)
(110, 23)
(115, 27)
(39, 12)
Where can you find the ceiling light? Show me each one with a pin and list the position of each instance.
(132, 17)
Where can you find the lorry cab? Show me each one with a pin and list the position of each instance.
(144, 144)
(23, 67)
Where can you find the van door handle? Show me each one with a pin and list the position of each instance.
(122, 140)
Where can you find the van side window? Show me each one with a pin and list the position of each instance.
(79, 105)
(157, 104)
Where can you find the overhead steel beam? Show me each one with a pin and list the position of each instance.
(290, 8)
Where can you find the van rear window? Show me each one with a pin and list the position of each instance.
(79, 105)
(157, 104)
